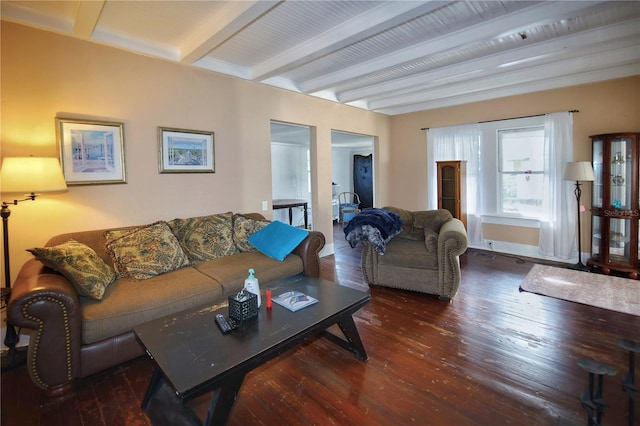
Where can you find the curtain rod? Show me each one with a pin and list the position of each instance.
(513, 118)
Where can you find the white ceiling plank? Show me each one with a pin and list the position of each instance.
(375, 20)
(87, 17)
(565, 47)
(498, 80)
(533, 16)
(619, 71)
(236, 15)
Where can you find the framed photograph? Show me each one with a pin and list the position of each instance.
(91, 152)
(186, 151)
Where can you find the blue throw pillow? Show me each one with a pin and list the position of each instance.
(277, 239)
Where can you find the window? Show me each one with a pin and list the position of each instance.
(521, 172)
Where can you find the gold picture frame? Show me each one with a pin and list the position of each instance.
(91, 152)
(185, 151)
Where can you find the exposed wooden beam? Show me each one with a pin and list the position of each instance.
(568, 67)
(235, 16)
(529, 17)
(365, 25)
(576, 45)
(87, 17)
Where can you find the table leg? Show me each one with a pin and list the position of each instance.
(306, 219)
(290, 215)
(353, 342)
(223, 399)
(154, 384)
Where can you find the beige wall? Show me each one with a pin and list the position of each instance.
(611, 106)
(45, 75)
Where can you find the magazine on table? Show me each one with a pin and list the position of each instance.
(294, 300)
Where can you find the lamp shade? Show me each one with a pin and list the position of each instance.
(31, 175)
(579, 171)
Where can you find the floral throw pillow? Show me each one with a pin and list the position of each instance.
(147, 251)
(205, 238)
(80, 264)
(243, 228)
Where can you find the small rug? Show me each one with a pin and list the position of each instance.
(603, 291)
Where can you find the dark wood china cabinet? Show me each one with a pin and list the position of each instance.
(615, 203)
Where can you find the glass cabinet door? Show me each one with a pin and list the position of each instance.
(596, 199)
(448, 182)
(619, 240)
(596, 236)
(621, 179)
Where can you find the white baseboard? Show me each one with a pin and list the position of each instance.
(525, 250)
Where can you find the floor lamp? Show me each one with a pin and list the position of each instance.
(579, 171)
(30, 176)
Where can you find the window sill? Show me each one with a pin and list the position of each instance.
(511, 221)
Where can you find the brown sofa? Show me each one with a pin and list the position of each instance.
(74, 336)
(424, 257)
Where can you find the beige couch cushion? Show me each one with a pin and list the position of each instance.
(405, 253)
(231, 271)
(128, 303)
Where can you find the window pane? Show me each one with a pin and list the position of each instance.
(521, 149)
(522, 194)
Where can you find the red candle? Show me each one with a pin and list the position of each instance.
(268, 295)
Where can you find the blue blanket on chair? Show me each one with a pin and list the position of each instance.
(375, 226)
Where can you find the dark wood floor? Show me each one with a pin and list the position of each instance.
(493, 356)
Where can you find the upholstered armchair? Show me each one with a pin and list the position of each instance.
(424, 257)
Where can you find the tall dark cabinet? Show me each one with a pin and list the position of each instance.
(615, 205)
(452, 189)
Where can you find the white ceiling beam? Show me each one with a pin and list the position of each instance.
(532, 74)
(570, 46)
(367, 24)
(22, 14)
(596, 76)
(533, 16)
(87, 16)
(235, 16)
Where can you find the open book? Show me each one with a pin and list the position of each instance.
(294, 300)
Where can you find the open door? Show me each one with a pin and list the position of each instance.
(363, 179)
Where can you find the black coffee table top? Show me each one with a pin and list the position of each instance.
(194, 356)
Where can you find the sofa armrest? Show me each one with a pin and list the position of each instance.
(47, 303)
(309, 250)
(452, 242)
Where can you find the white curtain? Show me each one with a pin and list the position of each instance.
(558, 227)
(458, 143)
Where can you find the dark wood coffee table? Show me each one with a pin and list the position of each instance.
(193, 357)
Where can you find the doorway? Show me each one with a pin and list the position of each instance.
(352, 167)
(291, 173)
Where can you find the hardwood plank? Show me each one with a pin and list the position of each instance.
(493, 356)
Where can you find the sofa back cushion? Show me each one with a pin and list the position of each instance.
(409, 231)
(431, 220)
(206, 237)
(94, 239)
(421, 225)
(147, 251)
(243, 227)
